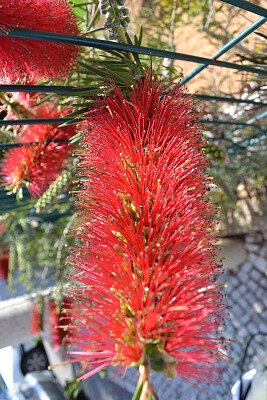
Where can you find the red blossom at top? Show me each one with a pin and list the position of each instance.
(144, 264)
(38, 165)
(27, 60)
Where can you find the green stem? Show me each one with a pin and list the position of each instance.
(123, 39)
(145, 389)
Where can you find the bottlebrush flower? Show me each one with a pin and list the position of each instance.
(3, 228)
(144, 265)
(27, 100)
(27, 60)
(4, 265)
(38, 165)
(59, 321)
(37, 317)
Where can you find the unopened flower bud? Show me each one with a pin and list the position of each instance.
(119, 13)
(104, 10)
(124, 23)
(124, 10)
(116, 23)
(107, 24)
(113, 35)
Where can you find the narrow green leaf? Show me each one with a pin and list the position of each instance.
(135, 55)
(121, 77)
(132, 66)
(72, 122)
(82, 4)
(117, 68)
(140, 36)
(129, 40)
(95, 17)
(78, 112)
(138, 392)
(76, 138)
(111, 61)
(93, 70)
(117, 54)
(44, 100)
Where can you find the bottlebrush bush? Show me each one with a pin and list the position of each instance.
(144, 265)
(38, 165)
(28, 60)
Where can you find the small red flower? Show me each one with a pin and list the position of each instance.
(38, 165)
(27, 100)
(29, 59)
(4, 264)
(3, 228)
(59, 322)
(144, 265)
(37, 317)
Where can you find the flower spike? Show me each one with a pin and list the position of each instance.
(38, 165)
(29, 60)
(144, 288)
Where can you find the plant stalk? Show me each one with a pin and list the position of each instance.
(148, 392)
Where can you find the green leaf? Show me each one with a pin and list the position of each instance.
(135, 55)
(78, 112)
(138, 392)
(94, 71)
(158, 365)
(19, 195)
(72, 122)
(76, 138)
(94, 19)
(44, 100)
(140, 36)
(132, 66)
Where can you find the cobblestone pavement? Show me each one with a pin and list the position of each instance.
(247, 296)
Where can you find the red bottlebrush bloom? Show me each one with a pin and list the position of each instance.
(59, 321)
(144, 268)
(38, 165)
(3, 228)
(4, 264)
(27, 100)
(29, 59)
(37, 317)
